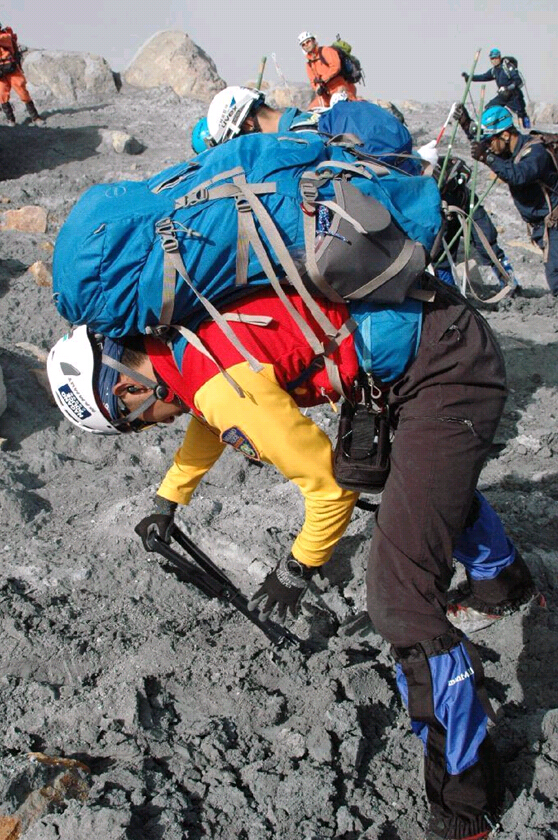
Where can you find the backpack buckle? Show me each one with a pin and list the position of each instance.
(242, 204)
(165, 230)
(196, 196)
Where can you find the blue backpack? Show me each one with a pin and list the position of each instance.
(135, 257)
(378, 133)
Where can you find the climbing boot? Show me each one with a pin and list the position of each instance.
(36, 119)
(9, 113)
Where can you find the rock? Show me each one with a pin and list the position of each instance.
(542, 113)
(30, 219)
(68, 75)
(293, 96)
(3, 397)
(389, 106)
(121, 142)
(172, 58)
(41, 273)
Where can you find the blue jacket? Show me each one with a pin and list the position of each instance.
(504, 74)
(523, 176)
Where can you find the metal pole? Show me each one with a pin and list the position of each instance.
(452, 138)
(467, 243)
(261, 72)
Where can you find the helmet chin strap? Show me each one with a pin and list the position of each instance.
(156, 389)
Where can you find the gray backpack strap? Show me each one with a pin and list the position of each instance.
(506, 290)
(335, 336)
(198, 344)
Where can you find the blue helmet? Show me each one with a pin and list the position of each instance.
(494, 120)
(494, 53)
(201, 138)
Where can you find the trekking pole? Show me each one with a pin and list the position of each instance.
(469, 225)
(454, 132)
(445, 125)
(214, 583)
(261, 72)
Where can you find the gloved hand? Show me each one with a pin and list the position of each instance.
(321, 90)
(479, 151)
(461, 114)
(282, 589)
(161, 522)
(505, 93)
(429, 153)
(465, 76)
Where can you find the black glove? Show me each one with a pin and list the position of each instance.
(282, 588)
(160, 523)
(505, 94)
(465, 76)
(321, 90)
(479, 151)
(461, 114)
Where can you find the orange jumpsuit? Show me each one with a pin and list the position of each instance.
(9, 56)
(323, 67)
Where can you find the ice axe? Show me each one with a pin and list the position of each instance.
(213, 582)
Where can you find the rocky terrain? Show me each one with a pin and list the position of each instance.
(175, 716)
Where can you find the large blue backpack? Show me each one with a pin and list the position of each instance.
(382, 136)
(136, 256)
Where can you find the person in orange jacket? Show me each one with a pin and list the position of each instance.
(323, 67)
(11, 76)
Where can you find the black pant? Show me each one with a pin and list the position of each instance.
(446, 408)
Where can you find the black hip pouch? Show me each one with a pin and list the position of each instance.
(361, 456)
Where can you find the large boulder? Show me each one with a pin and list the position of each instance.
(68, 75)
(295, 95)
(172, 58)
(543, 113)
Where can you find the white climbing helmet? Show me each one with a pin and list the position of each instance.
(305, 36)
(228, 110)
(73, 367)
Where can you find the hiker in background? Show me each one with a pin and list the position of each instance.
(508, 79)
(324, 70)
(420, 356)
(238, 110)
(455, 192)
(529, 168)
(11, 76)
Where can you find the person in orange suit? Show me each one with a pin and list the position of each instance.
(323, 67)
(11, 76)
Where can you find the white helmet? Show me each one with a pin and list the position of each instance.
(305, 36)
(228, 110)
(73, 367)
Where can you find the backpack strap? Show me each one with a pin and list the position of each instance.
(506, 290)
(335, 336)
(198, 344)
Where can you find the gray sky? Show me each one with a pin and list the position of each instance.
(409, 50)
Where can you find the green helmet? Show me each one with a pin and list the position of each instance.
(494, 121)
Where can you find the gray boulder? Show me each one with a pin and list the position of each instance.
(296, 95)
(543, 113)
(68, 75)
(172, 58)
